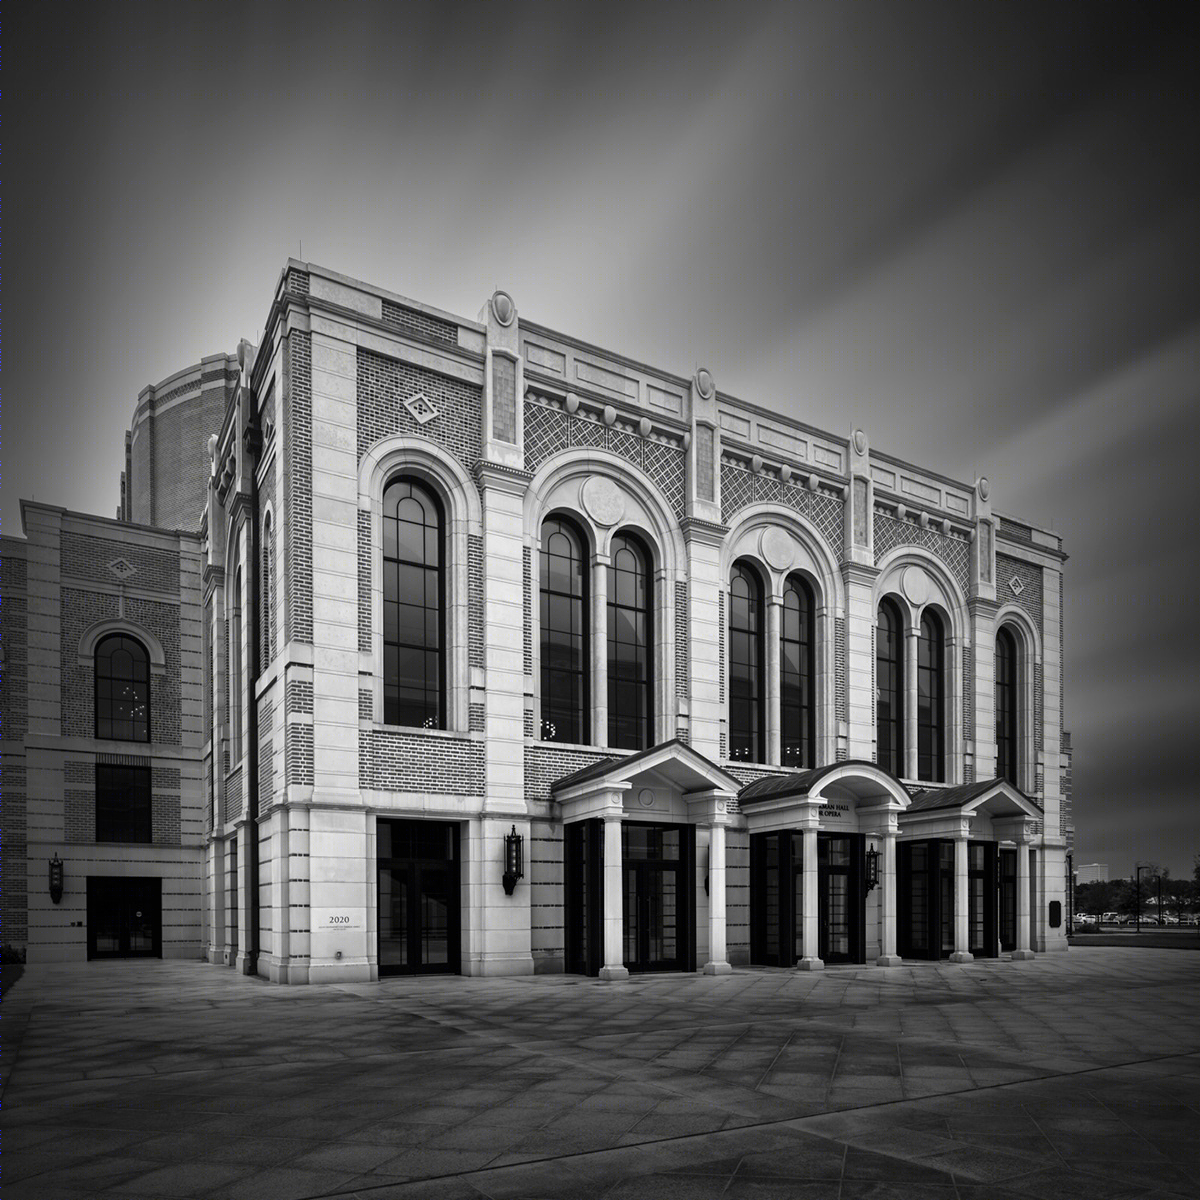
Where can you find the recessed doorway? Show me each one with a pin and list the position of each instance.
(419, 904)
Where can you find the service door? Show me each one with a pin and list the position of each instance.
(124, 917)
(419, 922)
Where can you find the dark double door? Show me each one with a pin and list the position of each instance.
(777, 898)
(926, 899)
(657, 896)
(124, 917)
(419, 905)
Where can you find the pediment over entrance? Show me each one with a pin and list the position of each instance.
(862, 784)
(990, 797)
(653, 778)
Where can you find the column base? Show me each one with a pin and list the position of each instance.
(717, 968)
(614, 974)
(810, 964)
(962, 956)
(889, 960)
(1023, 955)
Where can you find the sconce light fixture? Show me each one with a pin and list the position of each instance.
(872, 868)
(514, 860)
(56, 878)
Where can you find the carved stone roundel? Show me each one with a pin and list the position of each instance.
(602, 500)
(778, 548)
(704, 383)
(503, 307)
(646, 798)
(915, 585)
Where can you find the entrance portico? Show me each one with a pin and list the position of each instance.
(637, 829)
(966, 871)
(811, 835)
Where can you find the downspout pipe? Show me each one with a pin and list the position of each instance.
(253, 442)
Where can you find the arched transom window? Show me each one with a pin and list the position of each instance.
(564, 658)
(630, 637)
(797, 676)
(889, 689)
(1006, 706)
(931, 699)
(122, 671)
(413, 599)
(747, 690)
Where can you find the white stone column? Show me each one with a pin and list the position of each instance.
(613, 902)
(909, 759)
(774, 681)
(962, 881)
(599, 649)
(860, 665)
(811, 960)
(887, 881)
(718, 963)
(1022, 951)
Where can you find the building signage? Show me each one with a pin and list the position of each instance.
(330, 919)
(835, 812)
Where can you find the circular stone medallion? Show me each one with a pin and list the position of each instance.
(777, 548)
(503, 307)
(602, 500)
(646, 798)
(915, 585)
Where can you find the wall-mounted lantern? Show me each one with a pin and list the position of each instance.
(872, 877)
(514, 860)
(56, 878)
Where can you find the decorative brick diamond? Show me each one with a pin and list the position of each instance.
(122, 569)
(421, 408)
(1015, 585)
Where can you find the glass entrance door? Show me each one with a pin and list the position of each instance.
(124, 917)
(583, 872)
(981, 892)
(840, 899)
(926, 899)
(1007, 893)
(418, 897)
(657, 901)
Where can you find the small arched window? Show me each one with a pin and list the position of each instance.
(564, 635)
(122, 671)
(797, 676)
(630, 637)
(413, 602)
(1006, 706)
(931, 699)
(747, 690)
(889, 689)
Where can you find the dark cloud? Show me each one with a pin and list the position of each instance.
(971, 228)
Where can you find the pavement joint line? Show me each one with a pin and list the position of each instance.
(757, 1125)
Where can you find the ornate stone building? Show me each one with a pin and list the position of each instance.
(521, 656)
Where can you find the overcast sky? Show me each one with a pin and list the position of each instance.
(970, 228)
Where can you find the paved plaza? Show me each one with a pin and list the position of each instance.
(1076, 1075)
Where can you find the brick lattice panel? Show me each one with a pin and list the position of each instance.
(627, 445)
(968, 694)
(266, 756)
(839, 653)
(475, 639)
(665, 465)
(298, 489)
(364, 582)
(527, 609)
(1039, 708)
(234, 797)
(681, 639)
(585, 432)
(1030, 598)
(14, 670)
(383, 386)
(955, 552)
(545, 434)
(14, 895)
(411, 762)
(737, 491)
(418, 324)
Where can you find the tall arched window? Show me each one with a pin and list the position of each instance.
(1006, 706)
(565, 694)
(413, 600)
(630, 638)
(266, 591)
(931, 699)
(122, 671)
(747, 688)
(797, 676)
(235, 672)
(889, 688)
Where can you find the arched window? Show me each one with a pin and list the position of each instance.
(565, 693)
(1006, 706)
(122, 671)
(797, 676)
(889, 688)
(747, 690)
(630, 637)
(931, 699)
(413, 600)
(235, 672)
(267, 618)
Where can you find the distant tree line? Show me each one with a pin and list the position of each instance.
(1179, 896)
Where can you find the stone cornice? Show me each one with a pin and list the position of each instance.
(699, 530)
(515, 480)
